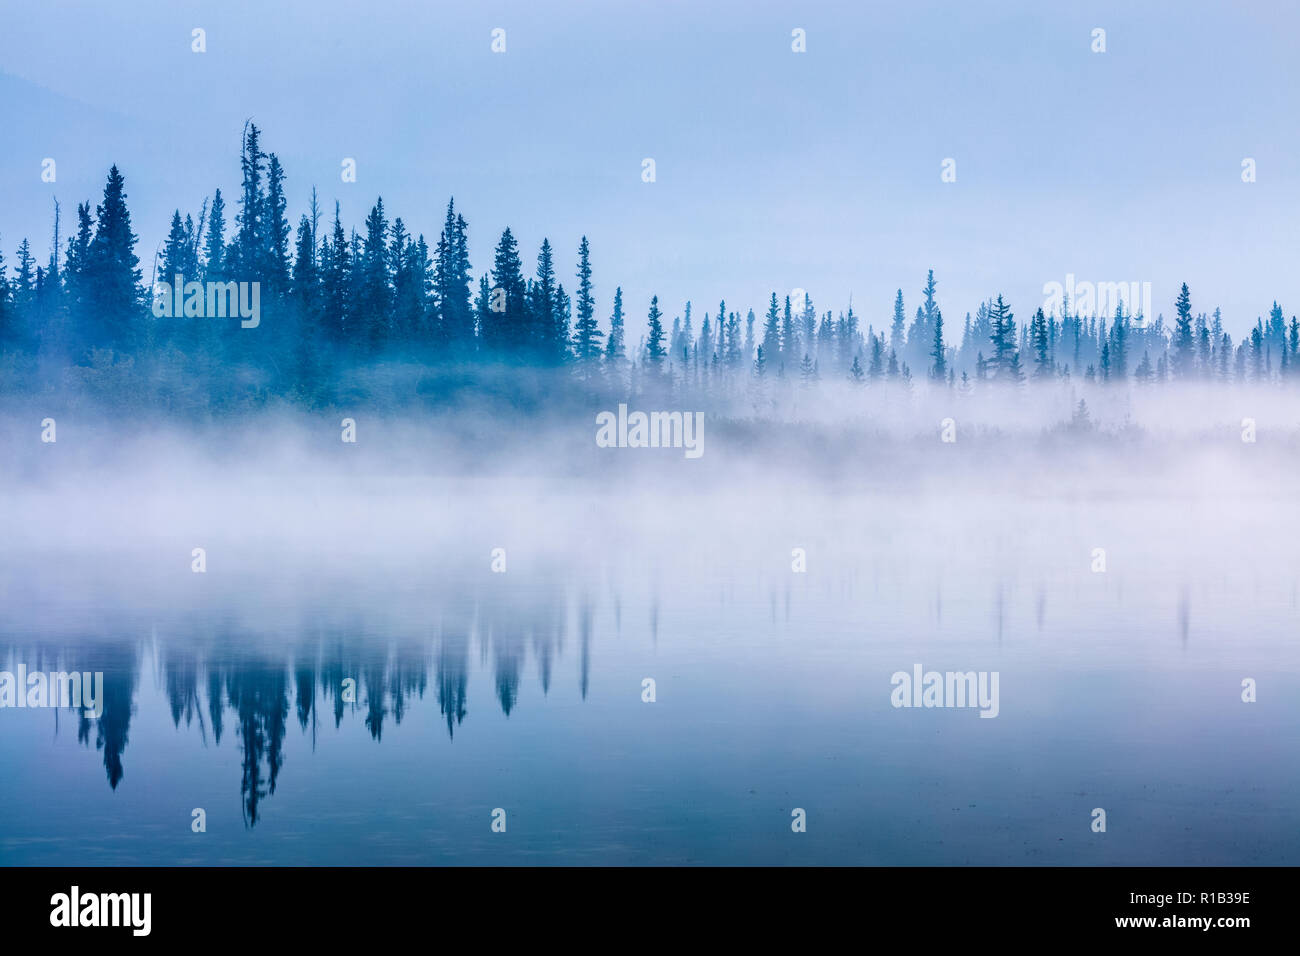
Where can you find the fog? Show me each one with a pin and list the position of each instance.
(498, 589)
(856, 477)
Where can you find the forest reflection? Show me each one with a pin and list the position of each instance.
(227, 681)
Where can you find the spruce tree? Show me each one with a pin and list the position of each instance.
(1003, 337)
(1038, 338)
(927, 316)
(484, 317)
(1184, 349)
(848, 338)
(1201, 335)
(215, 245)
(876, 367)
(772, 333)
(307, 309)
(705, 346)
(808, 323)
(897, 328)
(655, 350)
(734, 355)
(615, 351)
(112, 274)
(24, 282)
(374, 284)
(541, 318)
(452, 277)
(411, 283)
(275, 249)
(336, 283)
(507, 330)
(175, 253)
(586, 331)
(245, 256)
(306, 281)
(1257, 352)
(1119, 336)
(558, 341)
(939, 370)
(789, 345)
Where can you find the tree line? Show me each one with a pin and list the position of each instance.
(335, 299)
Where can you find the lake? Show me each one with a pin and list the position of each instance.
(359, 676)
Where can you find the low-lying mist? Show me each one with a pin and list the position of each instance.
(1024, 478)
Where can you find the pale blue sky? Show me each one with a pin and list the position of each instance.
(776, 170)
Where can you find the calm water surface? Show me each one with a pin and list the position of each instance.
(523, 690)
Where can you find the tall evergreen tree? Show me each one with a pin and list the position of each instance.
(542, 307)
(305, 276)
(655, 350)
(734, 356)
(1184, 348)
(1006, 357)
(876, 367)
(451, 279)
(558, 341)
(789, 342)
(304, 294)
(772, 333)
(411, 283)
(939, 368)
(275, 251)
(507, 321)
(586, 331)
(112, 274)
(1039, 343)
(336, 283)
(175, 253)
(24, 282)
(1119, 336)
(245, 257)
(808, 323)
(897, 329)
(374, 284)
(615, 351)
(214, 250)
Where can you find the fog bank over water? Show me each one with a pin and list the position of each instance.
(1162, 480)
(548, 427)
(497, 589)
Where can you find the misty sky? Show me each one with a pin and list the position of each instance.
(775, 170)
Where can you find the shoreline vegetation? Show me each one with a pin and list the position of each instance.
(385, 321)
